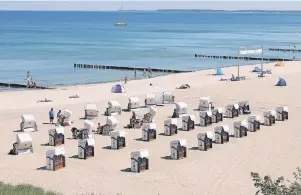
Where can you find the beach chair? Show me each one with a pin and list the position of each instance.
(149, 132)
(64, 119)
(217, 115)
(86, 148)
(205, 118)
(91, 111)
(111, 125)
(23, 145)
(244, 107)
(188, 122)
(136, 120)
(178, 149)
(139, 161)
(181, 108)
(282, 113)
(118, 139)
(150, 100)
(205, 104)
(171, 126)
(28, 123)
(55, 159)
(149, 117)
(133, 104)
(240, 128)
(254, 123)
(221, 134)
(113, 109)
(56, 136)
(168, 98)
(83, 133)
(205, 140)
(269, 117)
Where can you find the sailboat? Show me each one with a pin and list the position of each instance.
(121, 22)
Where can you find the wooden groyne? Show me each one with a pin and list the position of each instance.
(284, 50)
(13, 85)
(241, 58)
(96, 66)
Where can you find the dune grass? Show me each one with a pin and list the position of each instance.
(27, 189)
(23, 189)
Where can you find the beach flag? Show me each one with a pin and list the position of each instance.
(255, 51)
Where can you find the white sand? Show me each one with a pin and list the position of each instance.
(223, 170)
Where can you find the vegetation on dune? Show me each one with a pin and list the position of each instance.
(23, 189)
(26, 189)
(280, 186)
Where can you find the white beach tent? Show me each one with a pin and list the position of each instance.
(118, 89)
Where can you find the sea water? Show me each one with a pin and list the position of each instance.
(48, 43)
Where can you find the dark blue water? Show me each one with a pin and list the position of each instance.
(48, 43)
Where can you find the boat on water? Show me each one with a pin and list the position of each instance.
(121, 22)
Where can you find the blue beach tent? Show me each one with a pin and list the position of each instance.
(281, 82)
(118, 89)
(219, 72)
(256, 69)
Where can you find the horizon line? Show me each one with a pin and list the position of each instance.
(154, 10)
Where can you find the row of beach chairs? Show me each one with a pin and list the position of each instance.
(55, 158)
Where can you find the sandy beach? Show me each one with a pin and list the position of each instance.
(223, 170)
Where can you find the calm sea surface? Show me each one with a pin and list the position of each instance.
(48, 43)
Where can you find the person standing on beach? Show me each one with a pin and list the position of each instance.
(51, 115)
(125, 80)
(144, 73)
(28, 79)
(28, 75)
(135, 74)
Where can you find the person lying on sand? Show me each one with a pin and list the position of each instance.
(184, 86)
(46, 100)
(74, 96)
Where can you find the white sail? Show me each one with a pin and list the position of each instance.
(254, 51)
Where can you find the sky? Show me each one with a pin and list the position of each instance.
(149, 5)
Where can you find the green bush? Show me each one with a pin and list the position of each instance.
(23, 189)
(280, 186)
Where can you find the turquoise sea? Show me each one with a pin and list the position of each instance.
(47, 43)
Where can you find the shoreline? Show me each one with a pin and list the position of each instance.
(62, 86)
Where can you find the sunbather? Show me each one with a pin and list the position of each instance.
(74, 96)
(184, 86)
(46, 100)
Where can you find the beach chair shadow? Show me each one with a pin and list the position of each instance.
(48, 124)
(43, 168)
(166, 158)
(138, 139)
(70, 138)
(17, 130)
(82, 118)
(107, 148)
(194, 148)
(127, 170)
(162, 134)
(196, 109)
(46, 144)
(125, 110)
(74, 156)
